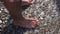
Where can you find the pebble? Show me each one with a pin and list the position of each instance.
(41, 18)
(5, 21)
(36, 30)
(4, 25)
(42, 14)
(56, 13)
(3, 18)
(48, 9)
(0, 21)
(52, 15)
(6, 10)
(46, 0)
(45, 24)
(0, 11)
(0, 25)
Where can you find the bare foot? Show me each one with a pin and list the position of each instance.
(28, 23)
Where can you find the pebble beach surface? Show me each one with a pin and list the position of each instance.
(46, 11)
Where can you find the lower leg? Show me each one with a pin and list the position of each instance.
(14, 9)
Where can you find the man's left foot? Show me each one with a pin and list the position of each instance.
(27, 23)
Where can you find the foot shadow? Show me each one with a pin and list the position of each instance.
(24, 7)
(58, 6)
(13, 29)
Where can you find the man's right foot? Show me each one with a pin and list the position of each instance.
(28, 23)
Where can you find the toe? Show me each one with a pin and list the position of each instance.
(33, 24)
(36, 22)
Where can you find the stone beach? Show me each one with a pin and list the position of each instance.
(46, 11)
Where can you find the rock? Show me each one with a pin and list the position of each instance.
(0, 21)
(47, 13)
(0, 11)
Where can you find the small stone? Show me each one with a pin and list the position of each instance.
(49, 6)
(0, 11)
(41, 18)
(0, 25)
(56, 13)
(42, 14)
(26, 32)
(54, 10)
(5, 21)
(52, 15)
(45, 24)
(7, 17)
(46, 0)
(37, 1)
(48, 17)
(59, 30)
(3, 18)
(36, 30)
(6, 10)
(0, 30)
(4, 25)
(0, 21)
